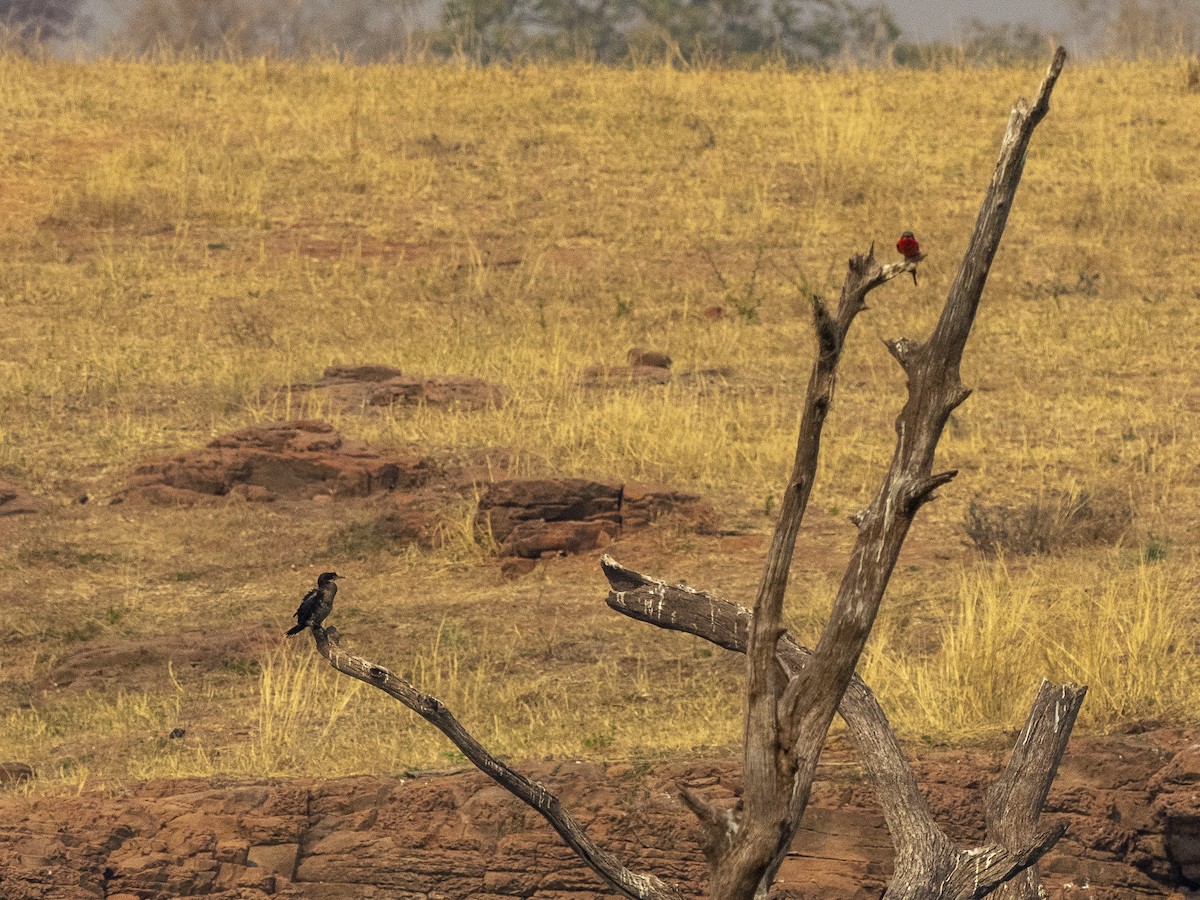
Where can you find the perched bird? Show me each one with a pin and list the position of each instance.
(910, 248)
(317, 603)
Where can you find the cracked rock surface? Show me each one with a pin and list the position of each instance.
(1130, 803)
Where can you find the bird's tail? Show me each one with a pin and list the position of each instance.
(297, 628)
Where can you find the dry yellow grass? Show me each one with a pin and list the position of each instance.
(182, 241)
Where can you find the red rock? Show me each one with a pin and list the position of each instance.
(516, 567)
(640, 356)
(15, 773)
(460, 836)
(532, 539)
(436, 390)
(278, 858)
(642, 504)
(358, 387)
(297, 460)
(16, 501)
(416, 517)
(602, 376)
(358, 374)
(232, 851)
(507, 503)
(531, 517)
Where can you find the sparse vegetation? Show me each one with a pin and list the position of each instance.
(1053, 523)
(183, 241)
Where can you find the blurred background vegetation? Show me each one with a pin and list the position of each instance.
(688, 32)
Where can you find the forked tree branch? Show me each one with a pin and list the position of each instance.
(432, 710)
(769, 764)
(927, 863)
(934, 390)
(792, 694)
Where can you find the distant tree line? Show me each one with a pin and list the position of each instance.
(794, 32)
(29, 22)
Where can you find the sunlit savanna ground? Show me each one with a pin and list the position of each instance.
(182, 241)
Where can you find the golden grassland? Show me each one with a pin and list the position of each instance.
(182, 241)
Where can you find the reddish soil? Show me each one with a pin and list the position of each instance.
(356, 387)
(107, 665)
(1132, 805)
(299, 460)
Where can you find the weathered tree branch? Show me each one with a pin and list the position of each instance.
(629, 884)
(928, 866)
(1015, 800)
(770, 767)
(934, 390)
(792, 694)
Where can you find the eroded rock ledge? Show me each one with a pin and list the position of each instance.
(295, 460)
(530, 517)
(1128, 802)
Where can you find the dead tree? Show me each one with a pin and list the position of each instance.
(793, 693)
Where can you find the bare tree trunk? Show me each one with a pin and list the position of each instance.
(786, 725)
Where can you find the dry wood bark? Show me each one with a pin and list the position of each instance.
(928, 865)
(786, 722)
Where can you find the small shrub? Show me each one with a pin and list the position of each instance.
(1156, 549)
(1054, 522)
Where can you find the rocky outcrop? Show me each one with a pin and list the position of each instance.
(605, 376)
(460, 835)
(358, 386)
(640, 356)
(436, 390)
(417, 517)
(505, 505)
(16, 501)
(1176, 790)
(536, 516)
(648, 366)
(294, 460)
(13, 773)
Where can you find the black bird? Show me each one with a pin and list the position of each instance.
(317, 603)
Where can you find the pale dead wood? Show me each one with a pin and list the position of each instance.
(934, 390)
(770, 768)
(432, 710)
(928, 865)
(1015, 800)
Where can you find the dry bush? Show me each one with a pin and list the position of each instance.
(1056, 521)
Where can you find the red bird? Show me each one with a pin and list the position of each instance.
(908, 245)
(910, 248)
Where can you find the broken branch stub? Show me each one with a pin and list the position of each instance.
(1015, 800)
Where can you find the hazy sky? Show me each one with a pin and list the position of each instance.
(926, 19)
(920, 19)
